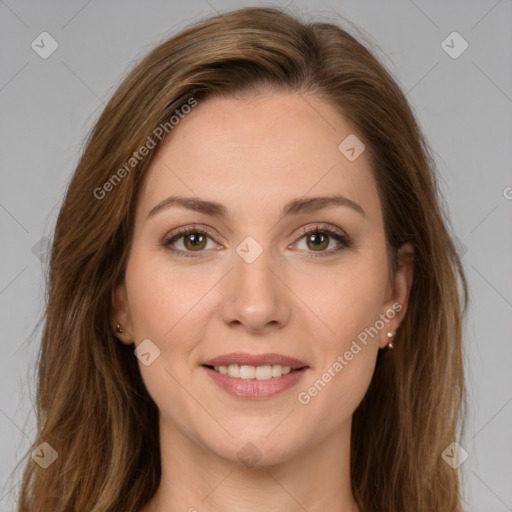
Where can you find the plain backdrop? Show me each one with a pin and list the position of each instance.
(464, 106)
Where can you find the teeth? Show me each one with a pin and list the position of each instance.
(253, 372)
(263, 372)
(233, 370)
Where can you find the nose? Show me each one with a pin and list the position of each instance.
(255, 298)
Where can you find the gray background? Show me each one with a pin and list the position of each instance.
(464, 106)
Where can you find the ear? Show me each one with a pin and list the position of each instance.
(398, 291)
(120, 314)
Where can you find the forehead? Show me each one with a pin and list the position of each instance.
(255, 154)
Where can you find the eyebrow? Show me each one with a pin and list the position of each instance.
(294, 207)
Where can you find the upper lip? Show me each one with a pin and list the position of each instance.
(243, 358)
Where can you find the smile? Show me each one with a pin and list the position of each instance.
(255, 382)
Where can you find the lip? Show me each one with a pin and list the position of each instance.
(255, 360)
(254, 389)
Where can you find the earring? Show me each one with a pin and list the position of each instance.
(118, 329)
(390, 336)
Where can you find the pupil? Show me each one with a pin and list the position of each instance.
(317, 239)
(195, 240)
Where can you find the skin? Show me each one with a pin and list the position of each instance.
(253, 155)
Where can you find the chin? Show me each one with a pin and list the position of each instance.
(257, 448)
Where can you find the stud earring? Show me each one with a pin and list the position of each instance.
(390, 336)
(118, 329)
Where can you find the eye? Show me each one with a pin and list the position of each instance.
(322, 237)
(194, 240)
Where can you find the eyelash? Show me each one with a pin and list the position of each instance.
(344, 241)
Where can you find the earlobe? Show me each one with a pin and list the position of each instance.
(120, 316)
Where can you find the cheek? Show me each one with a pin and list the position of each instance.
(352, 298)
(350, 306)
(339, 382)
(163, 298)
(164, 308)
(336, 393)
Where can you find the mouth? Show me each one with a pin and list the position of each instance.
(254, 376)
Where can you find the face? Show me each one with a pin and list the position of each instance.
(266, 273)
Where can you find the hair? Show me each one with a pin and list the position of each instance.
(92, 406)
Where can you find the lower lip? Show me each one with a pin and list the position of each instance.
(253, 388)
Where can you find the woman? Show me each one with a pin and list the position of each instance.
(253, 295)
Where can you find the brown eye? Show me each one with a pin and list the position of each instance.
(194, 241)
(189, 242)
(318, 241)
(322, 240)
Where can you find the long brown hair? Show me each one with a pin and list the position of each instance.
(92, 406)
